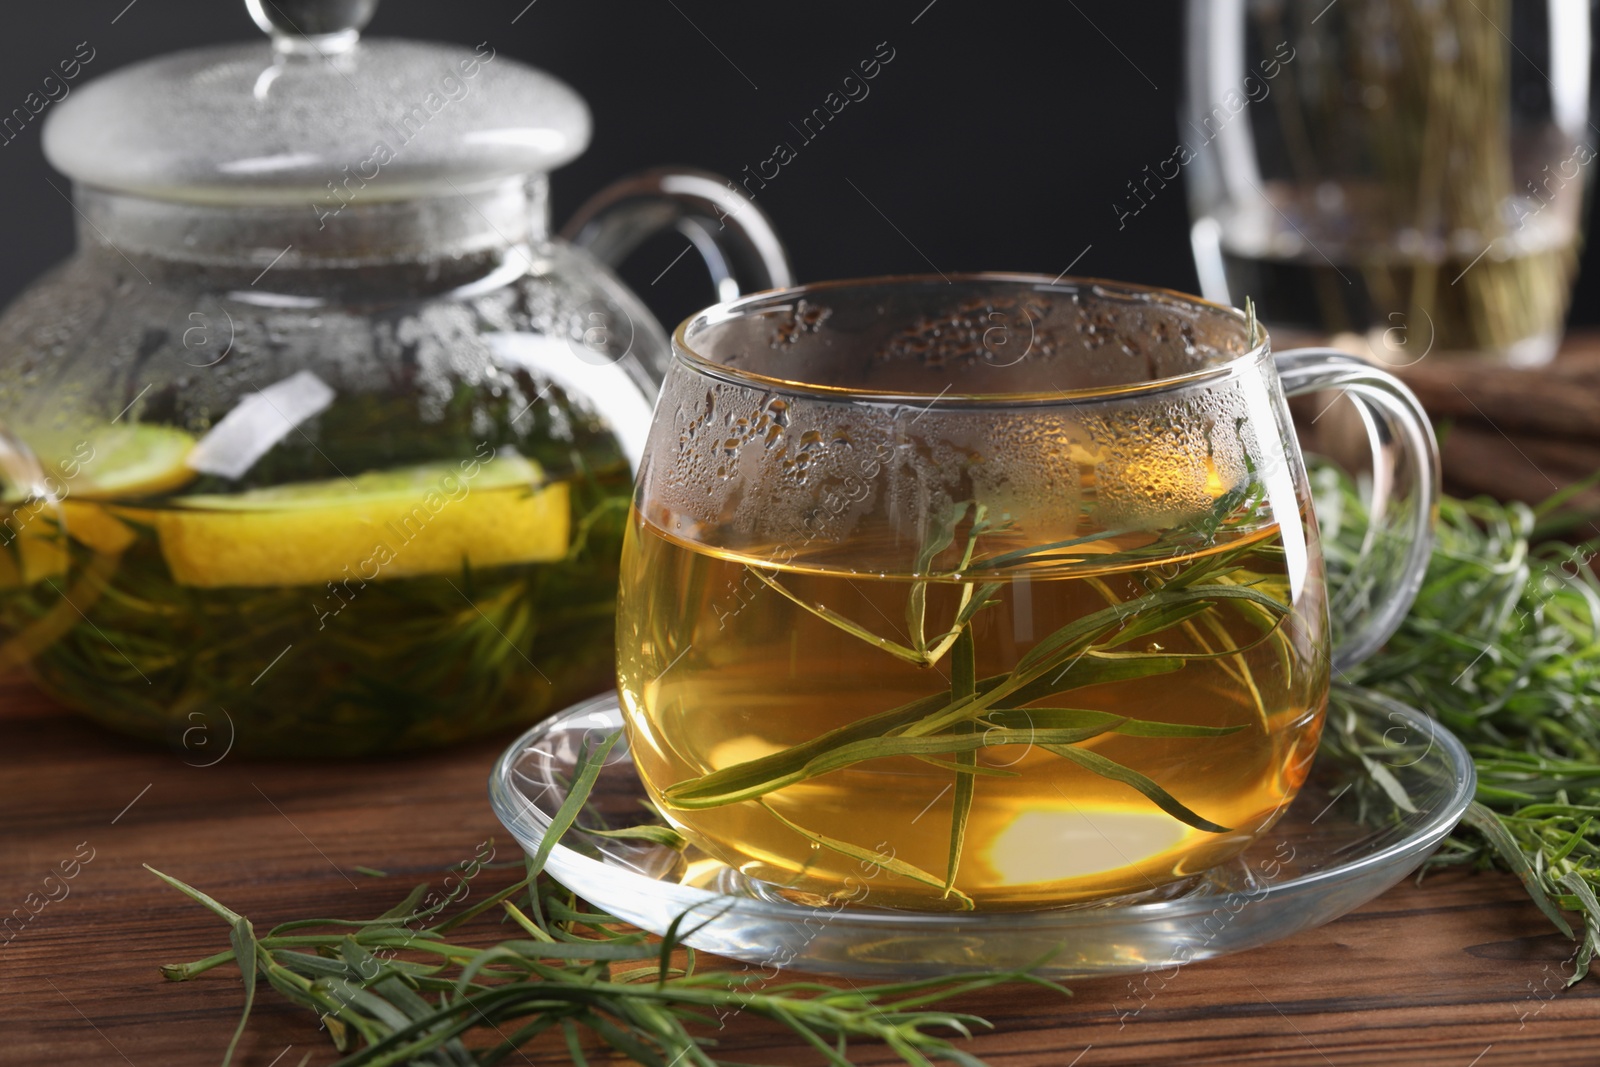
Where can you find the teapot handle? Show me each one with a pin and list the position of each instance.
(732, 234)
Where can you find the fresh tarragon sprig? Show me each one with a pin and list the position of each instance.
(1503, 645)
(394, 991)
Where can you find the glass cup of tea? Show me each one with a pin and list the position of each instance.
(993, 592)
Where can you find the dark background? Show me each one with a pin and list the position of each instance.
(998, 138)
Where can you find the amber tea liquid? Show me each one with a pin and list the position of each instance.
(720, 666)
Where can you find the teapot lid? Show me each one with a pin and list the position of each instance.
(317, 114)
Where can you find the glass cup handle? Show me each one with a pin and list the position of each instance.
(1370, 605)
(732, 234)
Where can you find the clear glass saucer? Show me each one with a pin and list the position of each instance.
(1388, 784)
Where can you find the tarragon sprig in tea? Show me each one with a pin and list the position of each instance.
(947, 729)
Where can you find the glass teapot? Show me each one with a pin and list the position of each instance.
(321, 443)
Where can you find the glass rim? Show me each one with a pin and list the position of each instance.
(684, 349)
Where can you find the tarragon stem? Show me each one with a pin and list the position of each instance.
(963, 685)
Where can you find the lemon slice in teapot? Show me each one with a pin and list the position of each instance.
(35, 554)
(109, 462)
(94, 525)
(116, 462)
(36, 551)
(428, 519)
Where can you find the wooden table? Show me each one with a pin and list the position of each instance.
(1459, 972)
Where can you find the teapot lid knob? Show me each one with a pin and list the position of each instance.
(321, 26)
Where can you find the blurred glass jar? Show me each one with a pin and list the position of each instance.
(321, 444)
(1409, 170)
